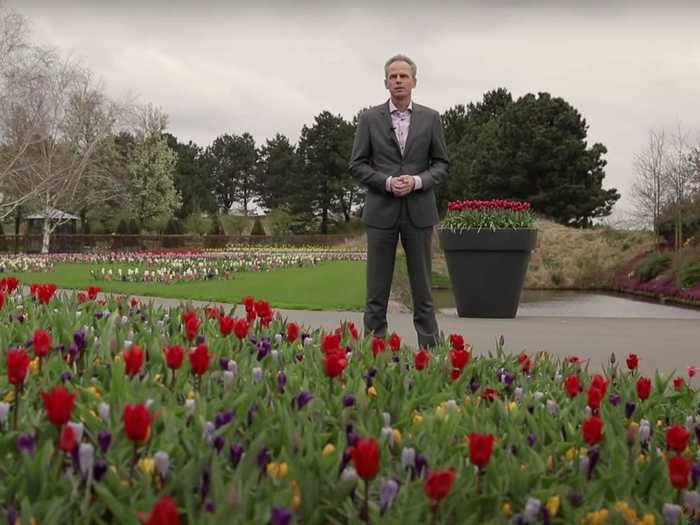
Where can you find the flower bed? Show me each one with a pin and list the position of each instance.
(487, 214)
(115, 411)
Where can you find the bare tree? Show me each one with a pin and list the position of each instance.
(680, 177)
(72, 120)
(649, 193)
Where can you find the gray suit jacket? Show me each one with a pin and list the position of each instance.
(376, 155)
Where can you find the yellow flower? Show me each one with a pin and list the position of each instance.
(417, 418)
(147, 465)
(372, 392)
(94, 391)
(328, 449)
(553, 505)
(467, 400)
(597, 518)
(34, 365)
(512, 406)
(296, 496)
(157, 378)
(659, 423)
(648, 519)
(550, 463)
(506, 510)
(118, 358)
(277, 470)
(523, 467)
(396, 436)
(191, 395)
(33, 521)
(571, 454)
(642, 458)
(9, 397)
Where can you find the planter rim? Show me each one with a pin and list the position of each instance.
(503, 240)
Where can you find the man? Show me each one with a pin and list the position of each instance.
(400, 156)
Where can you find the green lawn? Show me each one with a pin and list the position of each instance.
(327, 286)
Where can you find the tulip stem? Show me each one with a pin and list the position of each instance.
(15, 415)
(434, 518)
(365, 508)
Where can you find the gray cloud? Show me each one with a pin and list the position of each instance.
(268, 67)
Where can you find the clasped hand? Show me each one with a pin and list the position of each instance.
(403, 185)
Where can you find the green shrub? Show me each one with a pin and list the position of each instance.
(690, 275)
(235, 224)
(197, 224)
(258, 227)
(279, 222)
(123, 227)
(174, 227)
(134, 227)
(653, 265)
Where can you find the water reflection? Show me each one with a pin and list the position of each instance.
(548, 303)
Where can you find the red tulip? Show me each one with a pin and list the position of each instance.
(249, 302)
(334, 363)
(457, 342)
(41, 342)
(137, 422)
(421, 359)
(59, 405)
(643, 388)
(67, 441)
(92, 292)
(378, 345)
(2, 299)
(677, 438)
(17, 365)
(241, 328)
(82, 297)
(192, 325)
(678, 383)
(632, 361)
(438, 484)
(365, 458)
(678, 471)
(592, 429)
(572, 385)
(133, 358)
(199, 359)
(292, 332)
(226, 325)
(164, 512)
(599, 382)
(44, 292)
(394, 342)
(174, 356)
(455, 374)
(480, 448)
(330, 343)
(594, 397)
(459, 358)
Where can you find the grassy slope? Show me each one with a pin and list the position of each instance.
(328, 286)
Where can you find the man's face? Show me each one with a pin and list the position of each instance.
(400, 80)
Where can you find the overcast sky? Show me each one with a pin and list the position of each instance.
(267, 67)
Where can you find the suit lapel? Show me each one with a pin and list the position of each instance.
(390, 127)
(413, 129)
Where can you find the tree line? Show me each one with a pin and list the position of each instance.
(64, 144)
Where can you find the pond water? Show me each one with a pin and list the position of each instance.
(549, 303)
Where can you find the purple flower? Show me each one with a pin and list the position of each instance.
(576, 498)
(351, 436)
(65, 377)
(348, 400)
(218, 443)
(104, 439)
(695, 474)
(223, 418)
(421, 464)
(209, 506)
(302, 399)
(73, 351)
(12, 516)
(264, 347)
(281, 380)
(629, 409)
(235, 453)
(345, 460)
(204, 482)
(531, 439)
(615, 399)
(505, 377)
(223, 363)
(252, 412)
(99, 315)
(387, 494)
(593, 457)
(79, 340)
(697, 433)
(474, 384)
(263, 459)
(299, 356)
(200, 339)
(100, 469)
(26, 443)
(280, 516)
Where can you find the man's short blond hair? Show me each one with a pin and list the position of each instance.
(400, 58)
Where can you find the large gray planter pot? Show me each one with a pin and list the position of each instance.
(487, 269)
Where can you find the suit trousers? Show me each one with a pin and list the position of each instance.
(381, 256)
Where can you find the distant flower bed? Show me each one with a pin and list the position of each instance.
(487, 214)
(25, 263)
(113, 410)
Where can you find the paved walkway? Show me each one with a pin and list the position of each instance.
(662, 343)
